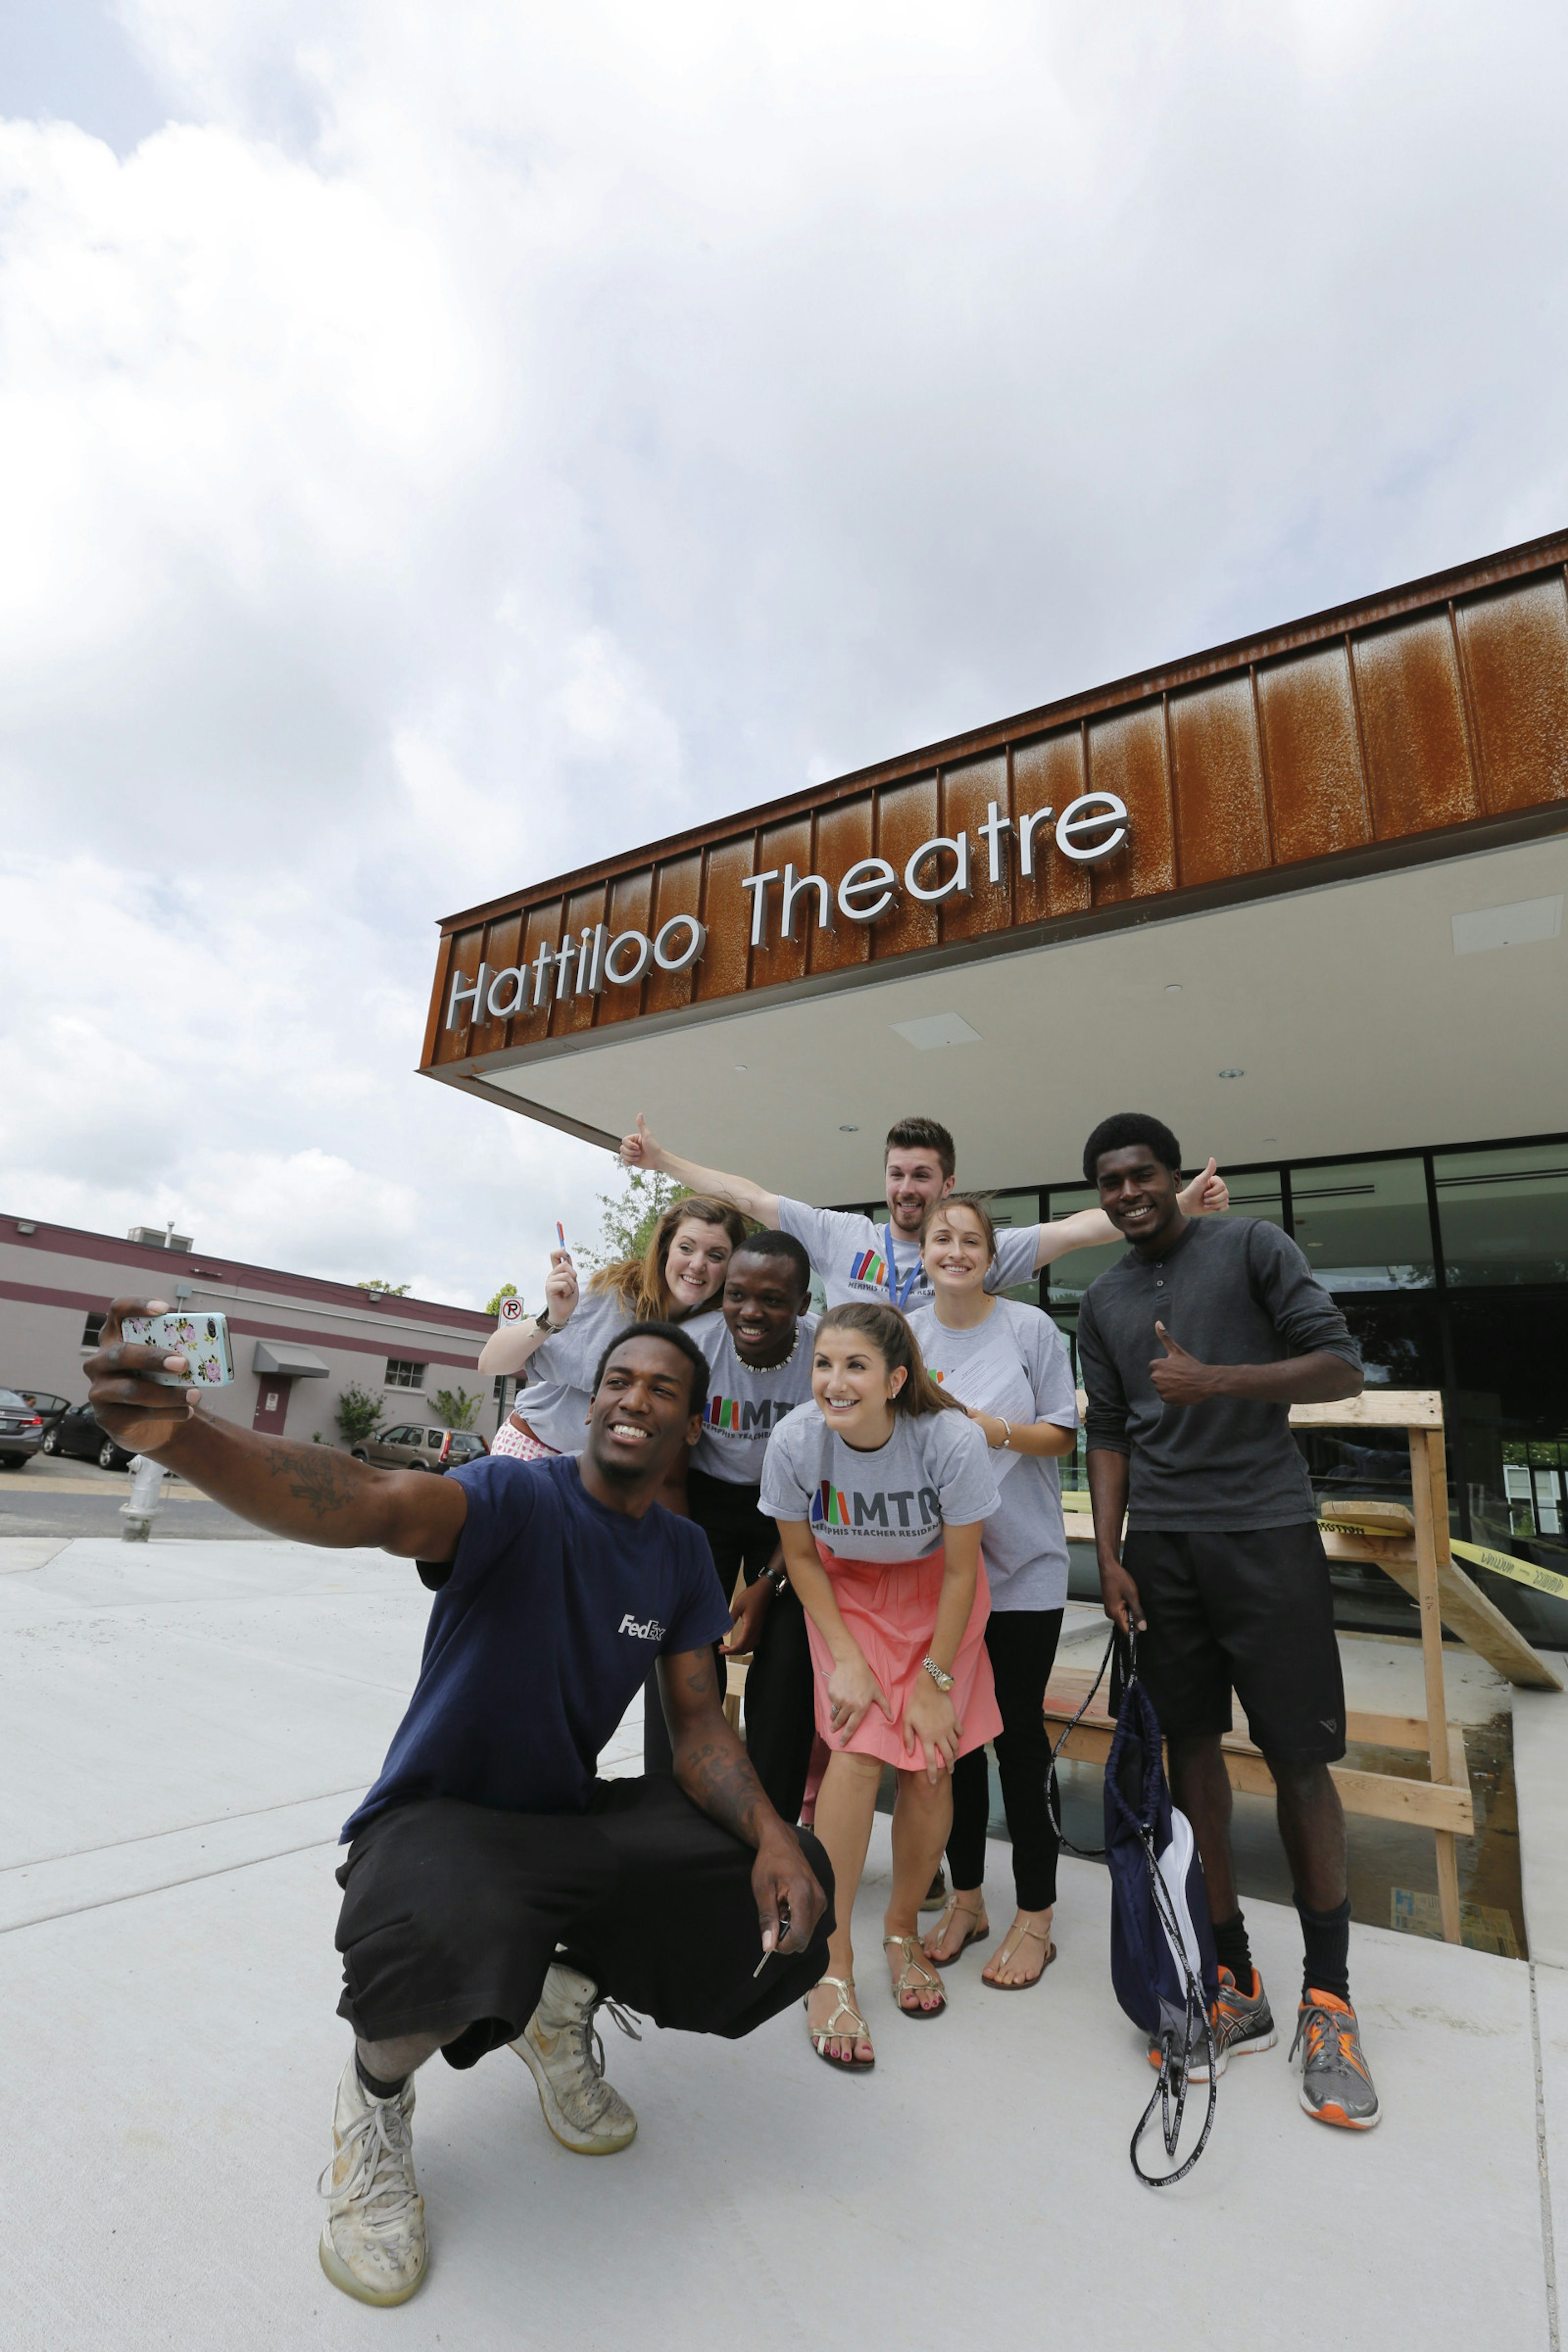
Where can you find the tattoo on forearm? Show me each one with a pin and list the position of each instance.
(720, 1778)
(322, 1485)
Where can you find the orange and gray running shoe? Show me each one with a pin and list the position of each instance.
(1243, 2022)
(1336, 2088)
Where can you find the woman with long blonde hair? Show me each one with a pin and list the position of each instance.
(679, 1273)
(879, 1486)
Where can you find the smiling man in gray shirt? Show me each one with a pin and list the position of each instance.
(1193, 1349)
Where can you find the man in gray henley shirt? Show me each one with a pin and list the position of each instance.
(1193, 1349)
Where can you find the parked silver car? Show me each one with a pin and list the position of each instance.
(21, 1429)
(413, 1445)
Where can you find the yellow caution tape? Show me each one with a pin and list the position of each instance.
(1502, 1563)
(1521, 1571)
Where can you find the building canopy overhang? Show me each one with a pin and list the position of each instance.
(1300, 895)
(282, 1360)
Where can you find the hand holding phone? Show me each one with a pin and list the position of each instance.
(202, 1339)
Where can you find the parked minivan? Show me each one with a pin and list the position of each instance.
(413, 1445)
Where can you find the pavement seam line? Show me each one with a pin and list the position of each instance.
(180, 1829)
(139, 1893)
(1548, 2243)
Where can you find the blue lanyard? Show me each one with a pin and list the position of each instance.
(898, 1292)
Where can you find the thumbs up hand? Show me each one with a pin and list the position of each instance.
(1178, 1378)
(1208, 1194)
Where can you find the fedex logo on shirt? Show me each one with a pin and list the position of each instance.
(830, 1509)
(650, 1630)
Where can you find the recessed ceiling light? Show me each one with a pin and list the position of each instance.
(1233, 1073)
(1271, 1138)
(847, 1130)
(740, 1067)
(1172, 988)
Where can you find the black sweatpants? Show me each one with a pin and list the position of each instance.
(1023, 1647)
(452, 1914)
(779, 1719)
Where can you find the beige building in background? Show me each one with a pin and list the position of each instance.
(298, 1343)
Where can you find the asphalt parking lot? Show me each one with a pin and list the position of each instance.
(56, 1498)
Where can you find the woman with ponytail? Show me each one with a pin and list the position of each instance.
(879, 1486)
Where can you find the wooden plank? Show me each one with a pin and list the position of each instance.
(1374, 1408)
(1379, 1796)
(1071, 1687)
(1391, 1520)
(1467, 1613)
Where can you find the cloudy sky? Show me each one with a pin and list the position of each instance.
(439, 441)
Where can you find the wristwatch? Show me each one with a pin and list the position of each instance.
(777, 1577)
(543, 1322)
(942, 1681)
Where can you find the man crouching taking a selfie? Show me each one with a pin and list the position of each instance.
(495, 1891)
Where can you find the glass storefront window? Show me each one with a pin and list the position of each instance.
(1017, 1209)
(1503, 1215)
(1070, 1276)
(1364, 1225)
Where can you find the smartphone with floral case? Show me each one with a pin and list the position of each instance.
(202, 1339)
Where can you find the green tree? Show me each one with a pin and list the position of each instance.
(380, 1289)
(507, 1290)
(631, 1215)
(358, 1413)
(457, 1408)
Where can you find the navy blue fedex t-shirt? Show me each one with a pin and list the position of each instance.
(542, 1633)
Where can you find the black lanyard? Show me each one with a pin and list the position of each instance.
(897, 1291)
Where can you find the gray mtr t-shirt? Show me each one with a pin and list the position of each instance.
(1015, 1365)
(745, 1405)
(1230, 1290)
(849, 1254)
(887, 1502)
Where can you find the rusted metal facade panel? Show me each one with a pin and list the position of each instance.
(1318, 802)
(1222, 816)
(1515, 647)
(1433, 708)
(1419, 761)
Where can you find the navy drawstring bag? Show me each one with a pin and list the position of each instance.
(1163, 1964)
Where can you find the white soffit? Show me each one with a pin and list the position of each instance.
(1357, 1027)
(937, 1029)
(1516, 926)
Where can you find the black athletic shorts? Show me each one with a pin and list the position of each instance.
(1249, 1611)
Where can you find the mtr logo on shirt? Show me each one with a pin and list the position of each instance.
(891, 1510)
(735, 1417)
(868, 1271)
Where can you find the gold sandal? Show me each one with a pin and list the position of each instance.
(1008, 1950)
(833, 2031)
(916, 1966)
(952, 1909)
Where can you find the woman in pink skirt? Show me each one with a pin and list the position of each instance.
(879, 1486)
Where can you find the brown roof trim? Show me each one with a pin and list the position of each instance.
(70, 1240)
(1465, 579)
(34, 1294)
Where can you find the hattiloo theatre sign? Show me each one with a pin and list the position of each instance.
(1423, 723)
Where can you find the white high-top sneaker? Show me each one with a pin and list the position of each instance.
(373, 2241)
(565, 2056)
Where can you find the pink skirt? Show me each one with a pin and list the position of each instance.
(515, 1437)
(890, 1606)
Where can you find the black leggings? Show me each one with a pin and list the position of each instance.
(780, 1724)
(1021, 1644)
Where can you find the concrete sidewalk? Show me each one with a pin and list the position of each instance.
(181, 1729)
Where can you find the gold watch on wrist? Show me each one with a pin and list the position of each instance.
(942, 1681)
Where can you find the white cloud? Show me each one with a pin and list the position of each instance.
(465, 438)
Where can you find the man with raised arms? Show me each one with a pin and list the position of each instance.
(495, 1890)
(856, 1259)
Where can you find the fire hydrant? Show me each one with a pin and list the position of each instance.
(143, 1504)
